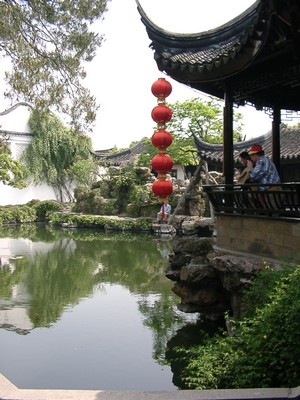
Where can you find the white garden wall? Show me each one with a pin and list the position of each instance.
(15, 123)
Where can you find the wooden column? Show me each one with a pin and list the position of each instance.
(276, 137)
(228, 163)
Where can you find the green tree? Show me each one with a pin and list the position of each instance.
(183, 152)
(201, 118)
(264, 350)
(193, 118)
(12, 172)
(46, 43)
(57, 155)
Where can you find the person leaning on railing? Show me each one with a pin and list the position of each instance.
(264, 170)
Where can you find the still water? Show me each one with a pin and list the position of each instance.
(82, 309)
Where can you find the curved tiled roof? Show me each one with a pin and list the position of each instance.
(122, 158)
(207, 51)
(255, 55)
(4, 132)
(289, 143)
(290, 148)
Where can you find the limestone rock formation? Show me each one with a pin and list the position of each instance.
(207, 281)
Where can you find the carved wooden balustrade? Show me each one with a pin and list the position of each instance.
(277, 200)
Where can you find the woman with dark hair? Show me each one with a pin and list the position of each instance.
(244, 176)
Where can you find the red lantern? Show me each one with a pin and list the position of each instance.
(162, 188)
(161, 114)
(162, 163)
(161, 139)
(161, 89)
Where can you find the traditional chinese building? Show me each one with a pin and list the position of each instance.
(253, 59)
(289, 152)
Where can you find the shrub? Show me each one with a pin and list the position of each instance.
(265, 349)
(17, 214)
(44, 208)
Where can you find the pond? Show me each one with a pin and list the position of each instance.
(83, 309)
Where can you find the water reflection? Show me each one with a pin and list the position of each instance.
(97, 303)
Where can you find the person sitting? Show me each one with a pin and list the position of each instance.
(165, 211)
(244, 176)
(264, 170)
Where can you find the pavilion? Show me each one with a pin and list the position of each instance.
(253, 59)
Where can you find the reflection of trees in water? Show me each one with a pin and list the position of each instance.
(55, 280)
(81, 260)
(70, 269)
(160, 315)
(190, 335)
(34, 232)
(9, 277)
(135, 264)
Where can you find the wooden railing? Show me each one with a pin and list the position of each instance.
(277, 200)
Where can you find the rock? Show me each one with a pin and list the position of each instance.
(163, 229)
(194, 245)
(196, 273)
(236, 263)
(188, 227)
(205, 227)
(176, 261)
(208, 281)
(210, 299)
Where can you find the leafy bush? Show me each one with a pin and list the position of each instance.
(17, 214)
(102, 222)
(44, 208)
(270, 355)
(265, 349)
(258, 293)
(91, 202)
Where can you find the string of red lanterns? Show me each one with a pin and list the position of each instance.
(162, 163)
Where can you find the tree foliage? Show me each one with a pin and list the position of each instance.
(264, 350)
(12, 172)
(57, 155)
(46, 43)
(201, 118)
(193, 118)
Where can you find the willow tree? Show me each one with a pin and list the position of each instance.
(57, 155)
(46, 44)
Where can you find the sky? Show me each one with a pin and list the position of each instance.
(121, 75)
(124, 69)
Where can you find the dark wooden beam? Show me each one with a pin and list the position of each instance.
(228, 163)
(276, 137)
